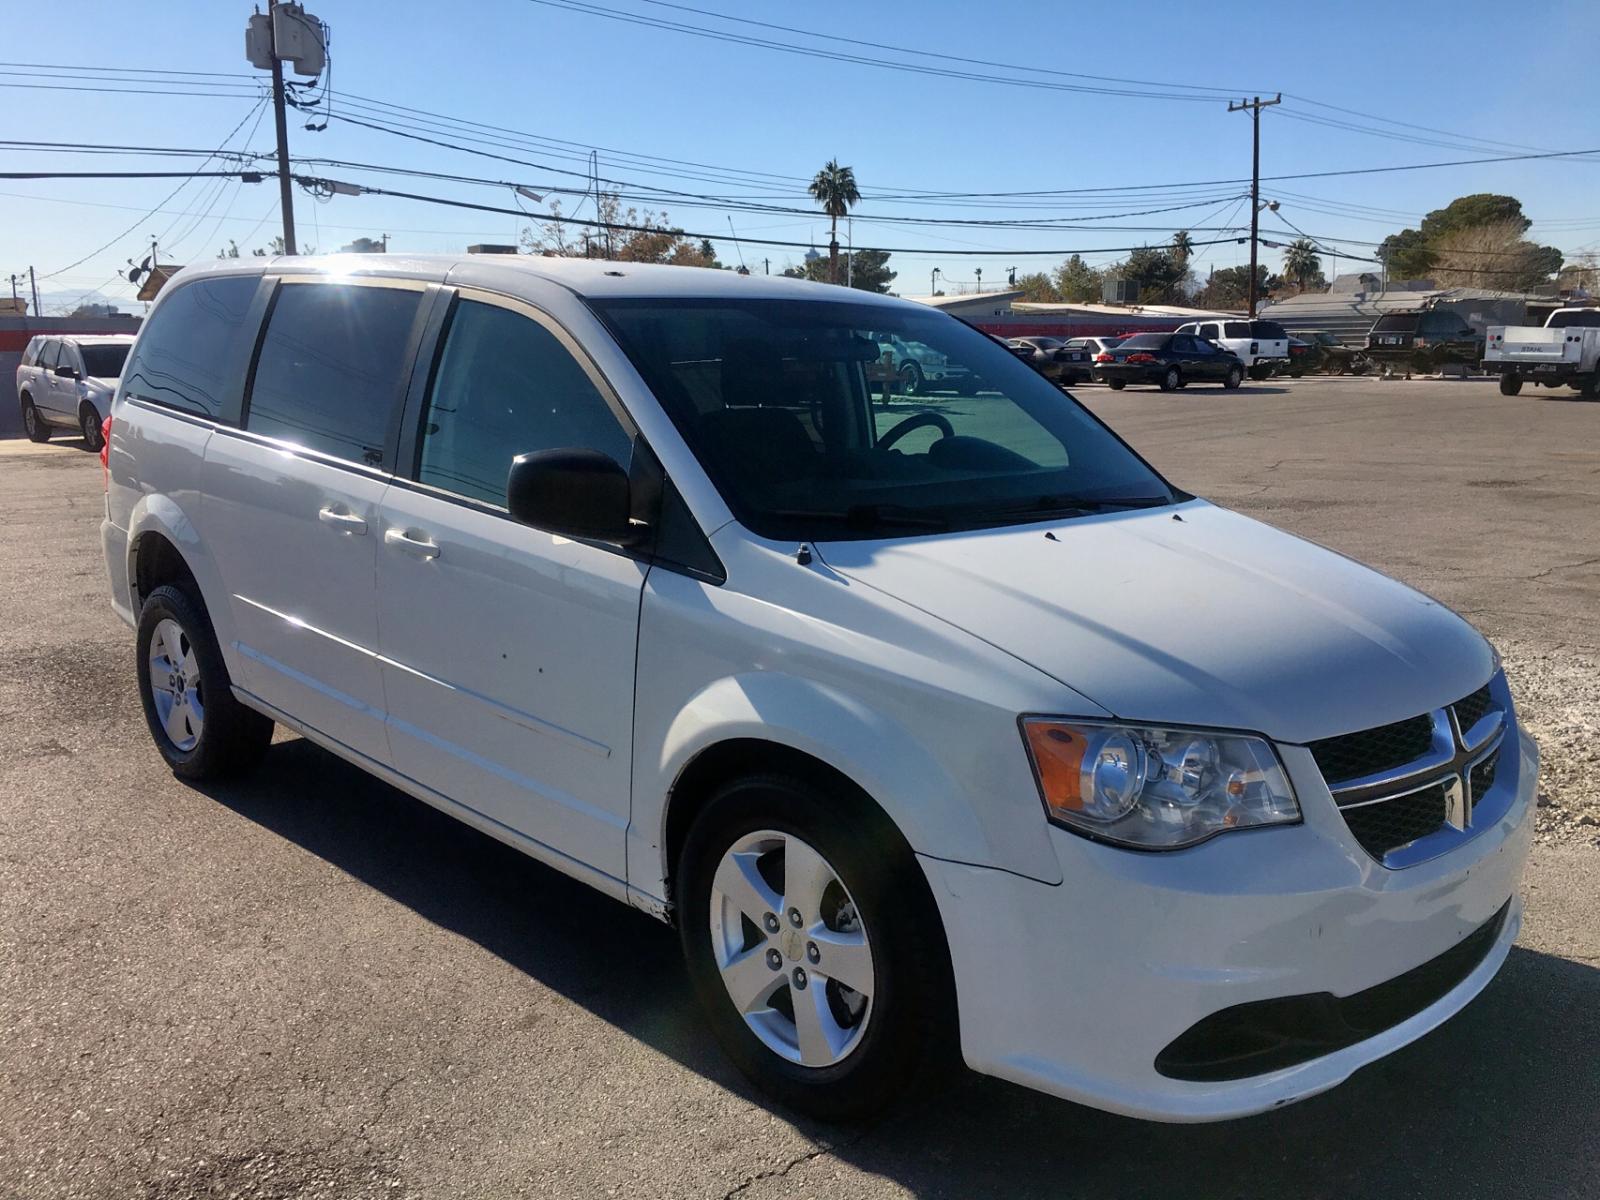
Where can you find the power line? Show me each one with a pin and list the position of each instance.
(593, 10)
(166, 200)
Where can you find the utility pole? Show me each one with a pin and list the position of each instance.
(1254, 108)
(281, 120)
(34, 284)
(766, 266)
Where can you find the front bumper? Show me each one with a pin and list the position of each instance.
(1077, 989)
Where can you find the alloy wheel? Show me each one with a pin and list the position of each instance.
(175, 685)
(791, 948)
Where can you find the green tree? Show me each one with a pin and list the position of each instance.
(1229, 287)
(834, 188)
(1301, 265)
(1481, 208)
(1406, 255)
(868, 271)
(1036, 288)
(1154, 269)
(1076, 281)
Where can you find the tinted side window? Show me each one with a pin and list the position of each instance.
(332, 368)
(506, 386)
(1208, 331)
(1236, 329)
(1267, 329)
(187, 351)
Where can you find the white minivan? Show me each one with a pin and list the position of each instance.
(936, 730)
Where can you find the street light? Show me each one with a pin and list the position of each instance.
(933, 282)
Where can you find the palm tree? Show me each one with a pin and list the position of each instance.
(1182, 248)
(835, 189)
(1182, 251)
(1300, 262)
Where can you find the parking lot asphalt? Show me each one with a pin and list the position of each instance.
(307, 984)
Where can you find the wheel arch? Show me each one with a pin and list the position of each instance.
(766, 721)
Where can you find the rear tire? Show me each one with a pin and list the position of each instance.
(89, 421)
(1172, 380)
(1258, 373)
(198, 726)
(1591, 387)
(877, 1042)
(36, 427)
(1116, 385)
(1510, 385)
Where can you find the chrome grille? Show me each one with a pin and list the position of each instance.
(1401, 783)
(1390, 824)
(1471, 709)
(1483, 775)
(1353, 755)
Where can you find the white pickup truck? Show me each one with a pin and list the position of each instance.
(1565, 350)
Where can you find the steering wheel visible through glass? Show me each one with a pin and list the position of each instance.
(914, 422)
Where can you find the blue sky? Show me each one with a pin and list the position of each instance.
(1483, 72)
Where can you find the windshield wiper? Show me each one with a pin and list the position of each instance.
(1045, 507)
(868, 516)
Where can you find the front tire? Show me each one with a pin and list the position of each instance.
(36, 427)
(912, 381)
(198, 726)
(1234, 379)
(89, 421)
(1172, 380)
(814, 946)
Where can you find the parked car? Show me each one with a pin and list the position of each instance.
(1329, 354)
(1564, 350)
(1302, 358)
(1080, 352)
(938, 735)
(1044, 354)
(1423, 341)
(66, 382)
(1262, 346)
(921, 368)
(1168, 360)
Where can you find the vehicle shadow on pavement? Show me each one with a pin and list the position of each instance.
(1501, 1100)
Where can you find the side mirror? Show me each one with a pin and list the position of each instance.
(67, 372)
(573, 493)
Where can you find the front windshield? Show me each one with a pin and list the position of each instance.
(104, 362)
(815, 420)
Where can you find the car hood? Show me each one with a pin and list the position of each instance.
(1191, 615)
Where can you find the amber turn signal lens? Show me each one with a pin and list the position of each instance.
(1058, 758)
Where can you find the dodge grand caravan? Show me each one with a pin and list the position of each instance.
(935, 729)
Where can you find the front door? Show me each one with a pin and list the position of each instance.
(292, 502)
(508, 652)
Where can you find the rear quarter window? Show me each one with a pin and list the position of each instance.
(1236, 329)
(190, 355)
(1267, 329)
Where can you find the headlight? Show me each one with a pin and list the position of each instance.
(1153, 788)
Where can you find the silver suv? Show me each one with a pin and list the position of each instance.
(67, 382)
